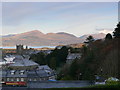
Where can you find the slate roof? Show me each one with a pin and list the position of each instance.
(28, 73)
(44, 67)
(23, 62)
(73, 56)
(17, 73)
(32, 73)
(41, 71)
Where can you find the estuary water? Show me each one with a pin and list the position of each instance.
(13, 47)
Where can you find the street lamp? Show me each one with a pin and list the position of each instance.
(79, 75)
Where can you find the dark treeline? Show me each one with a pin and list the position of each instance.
(54, 60)
(99, 57)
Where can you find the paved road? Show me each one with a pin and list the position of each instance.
(19, 88)
(48, 84)
(59, 84)
(14, 88)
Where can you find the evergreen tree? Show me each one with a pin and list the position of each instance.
(53, 63)
(108, 36)
(116, 32)
(38, 58)
(89, 39)
(73, 69)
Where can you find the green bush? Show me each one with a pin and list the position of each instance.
(67, 78)
(112, 82)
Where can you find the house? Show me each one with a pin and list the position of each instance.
(72, 56)
(12, 77)
(24, 70)
(22, 62)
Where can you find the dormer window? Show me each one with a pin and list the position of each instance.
(12, 72)
(22, 72)
(48, 72)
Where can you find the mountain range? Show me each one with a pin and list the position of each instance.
(37, 38)
(96, 36)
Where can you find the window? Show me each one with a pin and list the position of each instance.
(12, 72)
(22, 72)
(8, 79)
(35, 79)
(2, 79)
(30, 79)
(40, 79)
(50, 77)
(44, 79)
(12, 79)
(22, 79)
(17, 79)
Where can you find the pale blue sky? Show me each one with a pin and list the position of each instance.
(77, 18)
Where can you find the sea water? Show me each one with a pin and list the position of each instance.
(13, 47)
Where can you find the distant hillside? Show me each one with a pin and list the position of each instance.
(10, 35)
(63, 33)
(96, 36)
(77, 45)
(37, 38)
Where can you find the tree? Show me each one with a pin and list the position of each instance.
(89, 39)
(38, 58)
(116, 32)
(74, 69)
(59, 55)
(108, 36)
(53, 63)
(67, 78)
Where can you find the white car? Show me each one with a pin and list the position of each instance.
(112, 79)
(99, 83)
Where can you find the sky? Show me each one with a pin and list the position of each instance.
(77, 18)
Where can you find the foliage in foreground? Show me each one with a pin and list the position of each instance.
(98, 58)
(56, 59)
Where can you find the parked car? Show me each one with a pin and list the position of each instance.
(111, 80)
